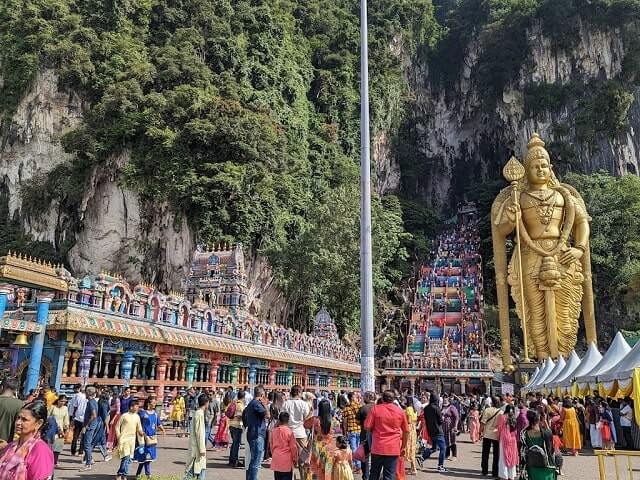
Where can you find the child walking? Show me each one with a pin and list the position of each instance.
(284, 450)
(342, 460)
(558, 461)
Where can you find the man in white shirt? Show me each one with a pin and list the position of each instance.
(247, 395)
(77, 406)
(298, 410)
(626, 417)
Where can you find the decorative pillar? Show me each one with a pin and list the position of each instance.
(135, 367)
(191, 369)
(85, 363)
(272, 376)
(65, 367)
(107, 365)
(487, 386)
(94, 369)
(252, 374)
(117, 360)
(234, 374)
(290, 376)
(416, 388)
(183, 370)
(317, 382)
(126, 366)
(162, 371)
(35, 358)
(213, 374)
(61, 361)
(463, 386)
(5, 291)
(152, 373)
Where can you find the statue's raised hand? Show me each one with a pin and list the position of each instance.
(570, 255)
(512, 212)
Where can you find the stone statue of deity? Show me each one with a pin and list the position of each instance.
(550, 269)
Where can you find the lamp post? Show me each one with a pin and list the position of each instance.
(367, 373)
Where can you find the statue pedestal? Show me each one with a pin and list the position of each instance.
(524, 372)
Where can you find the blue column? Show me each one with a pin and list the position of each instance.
(126, 365)
(252, 374)
(58, 362)
(35, 360)
(5, 290)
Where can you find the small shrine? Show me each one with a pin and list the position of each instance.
(324, 327)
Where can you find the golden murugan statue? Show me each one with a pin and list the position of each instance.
(550, 269)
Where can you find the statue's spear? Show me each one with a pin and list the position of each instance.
(513, 172)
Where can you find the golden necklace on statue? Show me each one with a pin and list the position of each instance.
(543, 205)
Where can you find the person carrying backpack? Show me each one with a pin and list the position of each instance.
(537, 450)
(233, 413)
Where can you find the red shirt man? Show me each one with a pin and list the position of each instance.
(388, 425)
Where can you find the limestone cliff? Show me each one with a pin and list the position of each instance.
(462, 132)
(111, 228)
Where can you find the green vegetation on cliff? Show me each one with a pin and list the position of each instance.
(244, 114)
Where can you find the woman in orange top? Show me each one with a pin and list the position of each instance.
(284, 450)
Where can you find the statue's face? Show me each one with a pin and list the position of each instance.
(539, 172)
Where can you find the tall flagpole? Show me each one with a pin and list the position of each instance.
(367, 376)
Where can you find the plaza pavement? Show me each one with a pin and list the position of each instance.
(172, 454)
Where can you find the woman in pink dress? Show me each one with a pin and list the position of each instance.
(474, 424)
(29, 457)
(508, 440)
(221, 440)
(114, 416)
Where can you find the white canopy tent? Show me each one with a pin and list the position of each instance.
(618, 349)
(624, 368)
(622, 372)
(560, 364)
(533, 377)
(542, 376)
(572, 363)
(590, 360)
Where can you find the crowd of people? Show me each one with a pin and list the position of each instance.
(326, 436)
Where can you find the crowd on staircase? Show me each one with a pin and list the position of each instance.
(445, 329)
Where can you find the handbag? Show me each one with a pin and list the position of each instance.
(305, 452)
(150, 440)
(68, 436)
(605, 431)
(359, 455)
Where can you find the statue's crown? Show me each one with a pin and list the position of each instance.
(536, 150)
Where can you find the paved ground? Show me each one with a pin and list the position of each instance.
(173, 453)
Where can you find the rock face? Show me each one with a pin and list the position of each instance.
(459, 140)
(30, 145)
(112, 229)
(121, 234)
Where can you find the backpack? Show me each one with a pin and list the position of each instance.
(537, 457)
(231, 410)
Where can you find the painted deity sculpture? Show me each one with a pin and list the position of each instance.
(550, 269)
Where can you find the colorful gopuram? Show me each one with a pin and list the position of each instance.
(104, 330)
(444, 348)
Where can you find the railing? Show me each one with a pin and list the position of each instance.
(603, 454)
(435, 363)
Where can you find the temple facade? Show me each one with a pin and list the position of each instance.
(104, 330)
(444, 349)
